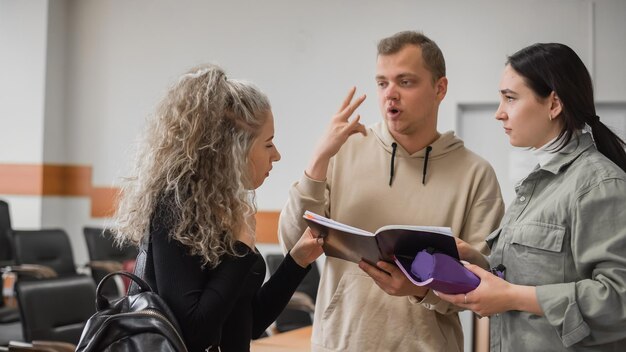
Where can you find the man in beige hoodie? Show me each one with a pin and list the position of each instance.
(398, 171)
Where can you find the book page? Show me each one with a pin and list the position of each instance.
(330, 223)
(436, 229)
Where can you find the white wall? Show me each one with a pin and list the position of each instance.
(55, 142)
(81, 76)
(23, 45)
(305, 56)
(23, 32)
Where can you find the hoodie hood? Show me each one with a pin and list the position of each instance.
(446, 143)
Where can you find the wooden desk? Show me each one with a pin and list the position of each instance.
(298, 340)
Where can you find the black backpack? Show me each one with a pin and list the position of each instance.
(136, 322)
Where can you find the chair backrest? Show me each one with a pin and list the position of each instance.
(6, 241)
(49, 247)
(101, 246)
(8, 315)
(56, 309)
(291, 319)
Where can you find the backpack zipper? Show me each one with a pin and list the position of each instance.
(161, 316)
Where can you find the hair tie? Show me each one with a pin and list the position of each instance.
(595, 119)
(196, 74)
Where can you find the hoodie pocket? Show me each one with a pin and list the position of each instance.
(362, 317)
(343, 318)
(332, 317)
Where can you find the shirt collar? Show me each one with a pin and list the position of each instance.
(545, 153)
(561, 159)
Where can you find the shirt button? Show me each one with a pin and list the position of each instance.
(522, 198)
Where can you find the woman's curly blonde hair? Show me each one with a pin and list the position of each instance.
(193, 162)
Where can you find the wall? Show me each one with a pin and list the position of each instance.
(22, 94)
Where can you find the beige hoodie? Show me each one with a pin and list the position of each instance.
(460, 190)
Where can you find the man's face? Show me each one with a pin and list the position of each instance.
(408, 97)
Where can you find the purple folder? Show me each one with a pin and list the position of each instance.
(439, 272)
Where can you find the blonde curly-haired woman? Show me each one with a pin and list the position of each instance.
(206, 150)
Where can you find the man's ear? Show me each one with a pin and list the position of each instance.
(442, 88)
(556, 106)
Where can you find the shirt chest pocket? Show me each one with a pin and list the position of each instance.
(535, 254)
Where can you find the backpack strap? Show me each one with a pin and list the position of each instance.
(102, 302)
(140, 263)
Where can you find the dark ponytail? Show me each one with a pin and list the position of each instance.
(556, 67)
(608, 143)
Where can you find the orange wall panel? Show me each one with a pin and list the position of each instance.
(66, 180)
(21, 179)
(75, 181)
(104, 201)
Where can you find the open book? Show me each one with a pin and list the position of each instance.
(437, 266)
(353, 244)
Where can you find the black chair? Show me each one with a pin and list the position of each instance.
(47, 247)
(56, 309)
(10, 325)
(298, 312)
(7, 314)
(6, 237)
(106, 257)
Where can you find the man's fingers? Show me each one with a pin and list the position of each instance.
(347, 100)
(372, 271)
(390, 268)
(349, 110)
(346, 112)
(356, 126)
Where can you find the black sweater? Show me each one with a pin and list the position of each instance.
(227, 305)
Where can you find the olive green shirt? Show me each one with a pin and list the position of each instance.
(565, 233)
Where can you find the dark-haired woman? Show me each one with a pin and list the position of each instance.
(563, 239)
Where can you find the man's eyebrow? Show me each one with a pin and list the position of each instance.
(399, 76)
(270, 138)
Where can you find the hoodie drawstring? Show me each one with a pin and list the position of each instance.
(428, 149)
(394, 146)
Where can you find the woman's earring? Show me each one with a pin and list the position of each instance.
(550, 117)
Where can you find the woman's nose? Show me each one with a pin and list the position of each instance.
(276, 156)
(500, 114)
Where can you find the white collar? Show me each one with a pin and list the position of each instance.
(547, 152)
